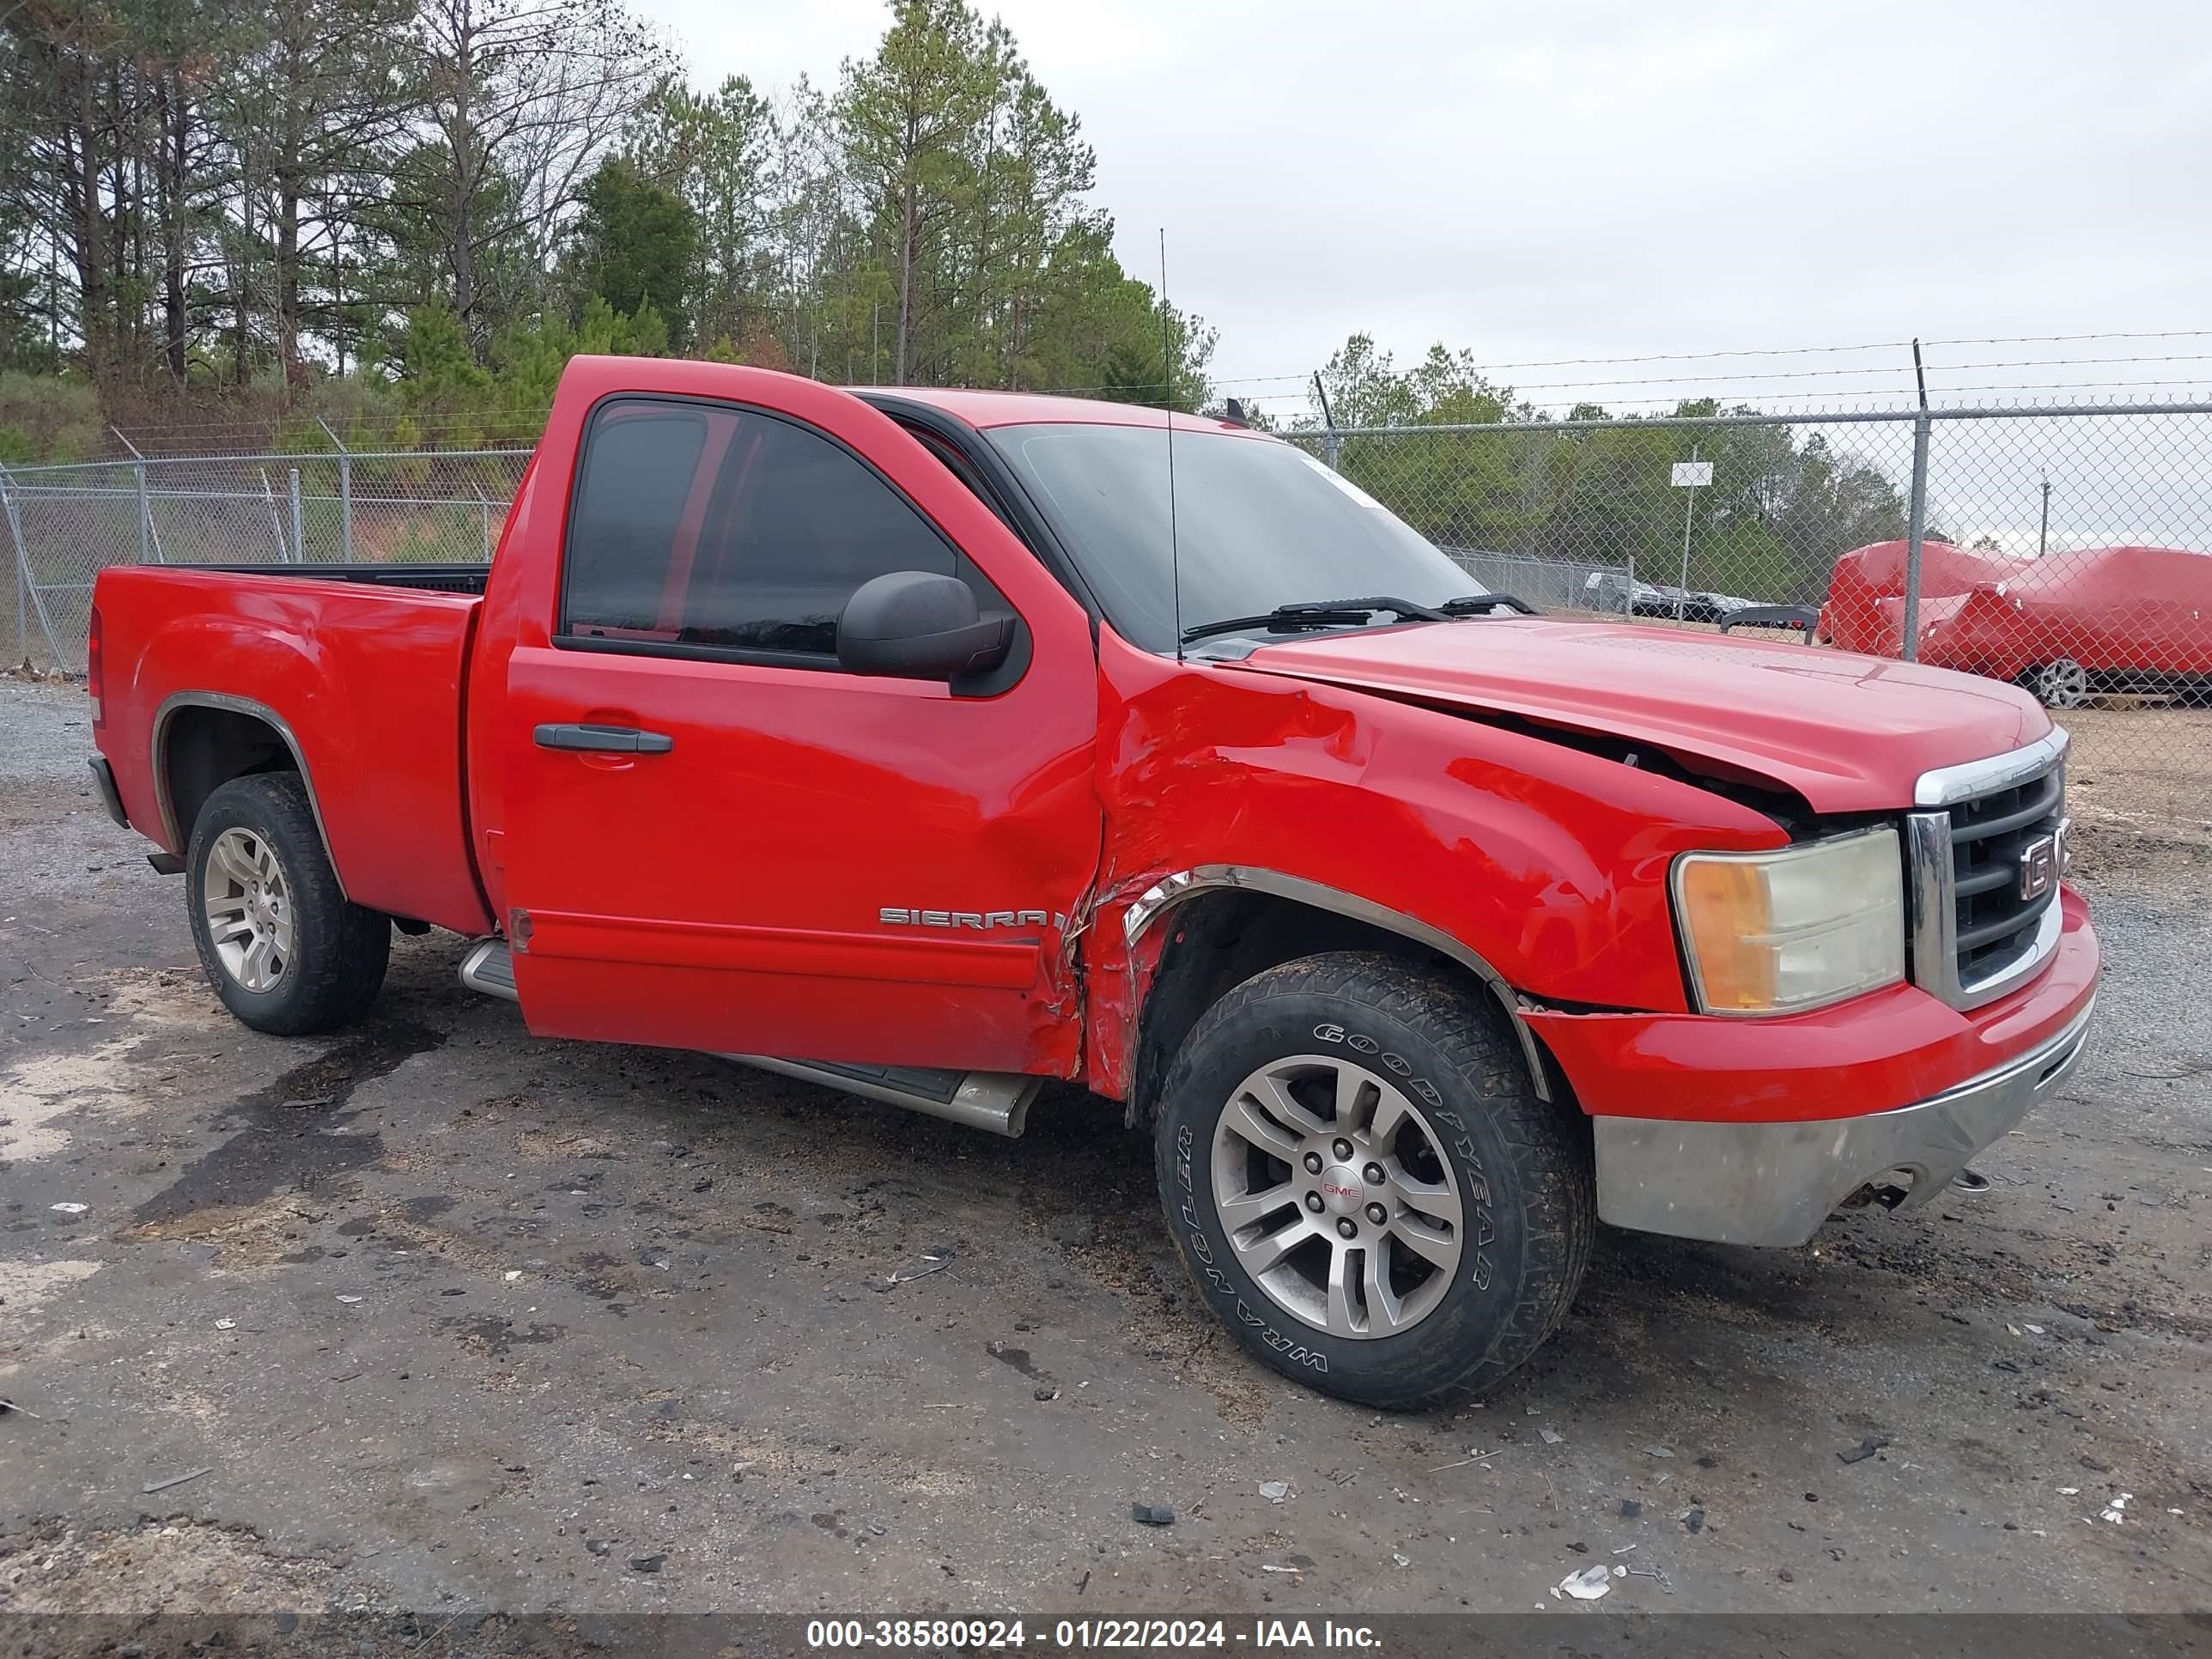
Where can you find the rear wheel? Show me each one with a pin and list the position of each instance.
(2064, 684)
(1365, 1184)
(284, 948)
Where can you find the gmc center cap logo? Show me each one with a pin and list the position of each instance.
(2043, 862)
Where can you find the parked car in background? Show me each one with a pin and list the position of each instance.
(1864, 609)
(2067, 625)
(1612, 591)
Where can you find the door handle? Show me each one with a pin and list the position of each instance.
(604, 739)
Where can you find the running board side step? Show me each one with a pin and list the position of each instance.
(488, 967)
(996, 1101)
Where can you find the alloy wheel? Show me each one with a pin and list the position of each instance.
(249, 909)
(1335, 1193)
(2062, 685)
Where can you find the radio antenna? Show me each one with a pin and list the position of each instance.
(1167, 366)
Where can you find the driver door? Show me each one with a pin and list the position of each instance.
(785, 858)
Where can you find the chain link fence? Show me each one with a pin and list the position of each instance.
(65, 524)
(2068, 549)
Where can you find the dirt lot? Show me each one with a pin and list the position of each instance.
(2142, 770)
(452, 1320)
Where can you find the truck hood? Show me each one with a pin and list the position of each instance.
(1848, 733)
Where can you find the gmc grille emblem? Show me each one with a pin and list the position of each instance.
(2038, 867)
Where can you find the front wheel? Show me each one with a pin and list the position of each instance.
(284, 948)
(1365, 1186)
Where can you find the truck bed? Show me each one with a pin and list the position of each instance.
(358, 669)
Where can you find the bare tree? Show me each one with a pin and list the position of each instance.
(522, 98)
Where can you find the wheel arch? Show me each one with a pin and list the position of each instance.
(1233, 921)
(203, 740)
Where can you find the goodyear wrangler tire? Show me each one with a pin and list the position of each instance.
(1365, 1186)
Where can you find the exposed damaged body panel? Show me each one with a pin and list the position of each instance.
(1533, 858)
(1845, 733)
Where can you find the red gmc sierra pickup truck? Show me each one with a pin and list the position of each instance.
(939, 744)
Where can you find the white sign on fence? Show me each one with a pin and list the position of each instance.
(1693, 475)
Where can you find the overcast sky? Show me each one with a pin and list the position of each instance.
(1598, 178)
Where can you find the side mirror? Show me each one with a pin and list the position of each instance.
(913, 625)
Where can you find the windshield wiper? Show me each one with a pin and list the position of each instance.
(1319, 613)
(1480, 605)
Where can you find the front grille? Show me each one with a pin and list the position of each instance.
(1978, 927)
(1993, 925)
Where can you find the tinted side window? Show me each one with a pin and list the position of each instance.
(799, 526)
(638, 469)
(710, 526)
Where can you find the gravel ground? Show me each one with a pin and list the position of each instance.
(2143, 769)
(453, 1319)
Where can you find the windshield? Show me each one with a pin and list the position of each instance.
(1258, 523)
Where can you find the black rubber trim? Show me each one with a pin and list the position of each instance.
(1007, 674)
(103, 777)
(820, 662)
(1007, 496)
(1773, 616)
(933, 1084)
(1984, 881)
(461, 576)
(2050, 791)
(2007, 926)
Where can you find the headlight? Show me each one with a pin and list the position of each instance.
(1773, 932)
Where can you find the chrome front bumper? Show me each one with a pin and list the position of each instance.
(1775, 1183)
